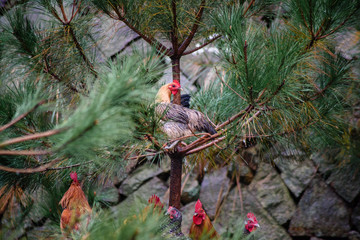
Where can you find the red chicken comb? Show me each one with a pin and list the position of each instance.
(198, 206)
(250, 215)
(156, 200)
(73, 176)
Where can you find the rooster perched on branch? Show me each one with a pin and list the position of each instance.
(201, 225)
(76, 206)
(179, 121)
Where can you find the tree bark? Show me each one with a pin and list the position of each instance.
(175, 180)
(175, 61)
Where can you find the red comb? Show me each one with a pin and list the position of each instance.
(251, 215)
(156, 200)
(73, 176)
(176, 82)
(198, 205)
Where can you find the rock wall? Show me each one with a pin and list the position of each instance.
(295, 197)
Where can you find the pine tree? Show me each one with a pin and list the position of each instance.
(280, 83)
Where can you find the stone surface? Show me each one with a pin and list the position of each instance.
(355, 217)
(212, 185)
(272, 193)
(187, 214)
(138, 177)
(141, 196)
(343, 180)
(238, 167)
(191, 191)
(109, 196)
(231, 218)
(320, 213)
(295, 174)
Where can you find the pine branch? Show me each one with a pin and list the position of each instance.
(204, 146)
(70, 166)
(194, 28)
(31, 137)
(41, 168)
(228, 85)
(153, 42)
(2, 128)
(128, 44)
(340, 25)
(201, 46)
(25, 152)
(247, 9)
(55, 76)
(174, 32)
(81, 51)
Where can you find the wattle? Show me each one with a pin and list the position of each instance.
(197, 220)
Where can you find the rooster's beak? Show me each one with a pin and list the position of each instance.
(257, 225)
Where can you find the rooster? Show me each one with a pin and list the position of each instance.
(75, 205)
(174, 226)
(179, 121)
(250, 223)
(201, 225)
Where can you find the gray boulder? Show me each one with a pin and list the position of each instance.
(343, 180)
(212, 185)
(295, 174)
(139, 177)
(187, 216)
(320, 213)
(355, 217)
(231, 218)
(191, 191)
(134, 203)
(272, 193)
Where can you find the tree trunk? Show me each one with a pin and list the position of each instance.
(175, 61)
(175, 180)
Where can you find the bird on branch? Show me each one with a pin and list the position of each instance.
(179, 121)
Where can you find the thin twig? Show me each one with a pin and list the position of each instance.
(201, 46)
(194, 28)
(247, 71)
(205, 146)
(25, 152)
(81, 51)
(340, 25)
(240, 193)
(234, 117)
(70, 166)
(31, 137)
(247, 9)
(2, 128)
(223, 81)
(153, 42)
(41, 168)
(128, 44)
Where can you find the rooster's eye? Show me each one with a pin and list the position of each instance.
(173, 85)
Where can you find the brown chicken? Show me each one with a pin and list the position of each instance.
(201, 226)
(179, 121)
(75, 205)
